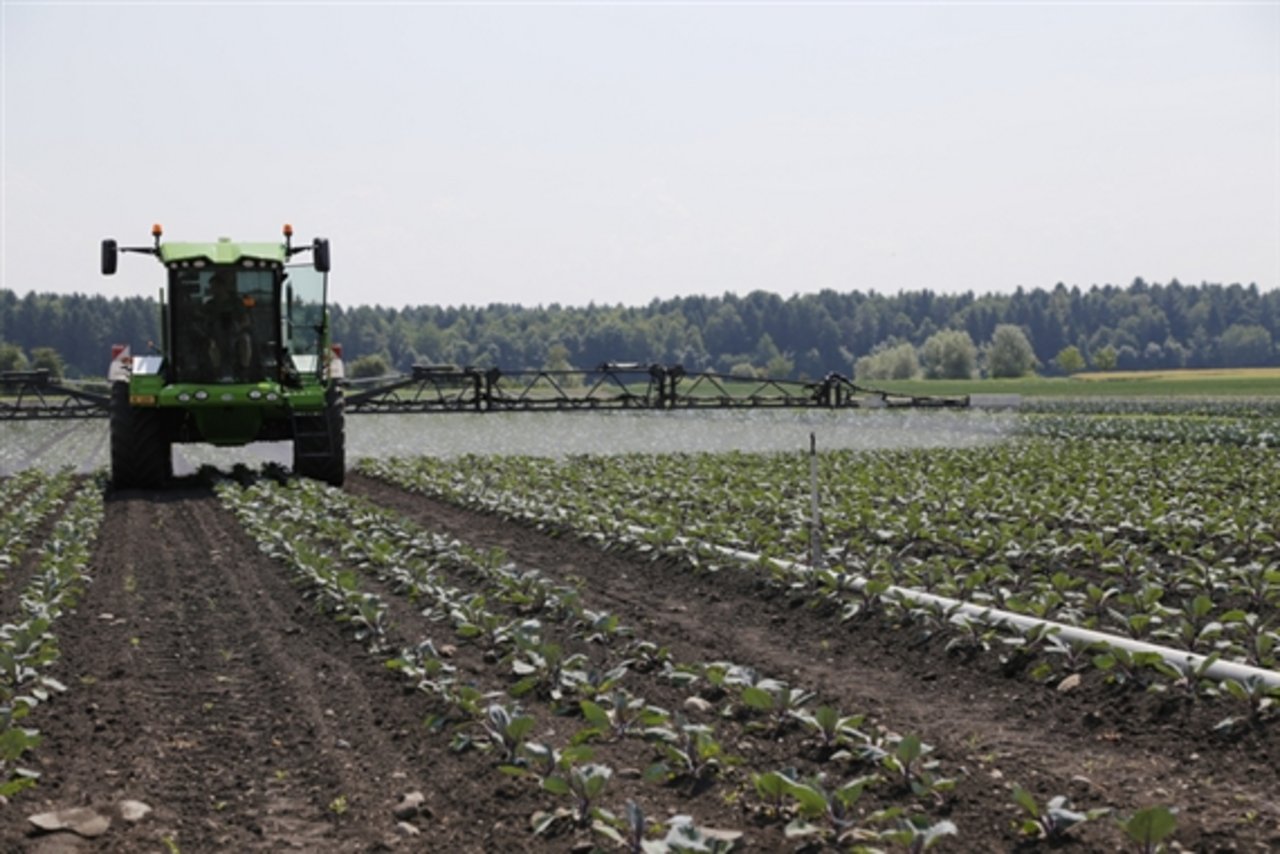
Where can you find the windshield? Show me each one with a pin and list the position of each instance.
(223, 324)
(303, 317)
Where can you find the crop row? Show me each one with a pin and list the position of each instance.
(1209, 407)
(1169, 544)
(1245, 430)
(28, 644)
(514, 654)
(25, 501)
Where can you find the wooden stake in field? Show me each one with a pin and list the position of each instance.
(815, 535)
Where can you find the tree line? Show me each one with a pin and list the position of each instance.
(1058, 330)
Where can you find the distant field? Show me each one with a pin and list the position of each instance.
(1222, 382)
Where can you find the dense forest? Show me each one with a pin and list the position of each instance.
(1140, 326)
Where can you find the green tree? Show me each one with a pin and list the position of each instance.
(1010, 353)
(1105, 358)
(949, 355)
(373, 365)
(47, 359)
(780, 367)
(558, 358)
(1069, 360)
(1244, 345)
(892, 361)
(11, 358)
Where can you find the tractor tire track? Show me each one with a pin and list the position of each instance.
(203, 685)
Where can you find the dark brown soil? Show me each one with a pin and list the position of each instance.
(202, 683)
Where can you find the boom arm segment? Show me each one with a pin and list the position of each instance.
(432, 388)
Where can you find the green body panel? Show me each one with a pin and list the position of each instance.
(228, 416)
(222, 252)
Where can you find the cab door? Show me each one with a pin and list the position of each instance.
(305, 333)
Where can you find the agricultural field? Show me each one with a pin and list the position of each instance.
(1204, 383)
(639, 632)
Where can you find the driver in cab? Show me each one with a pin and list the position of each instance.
(228, 328)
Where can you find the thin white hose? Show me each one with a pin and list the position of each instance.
(1179, 658)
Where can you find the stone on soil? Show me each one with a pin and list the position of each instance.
(134, 811)
(81, 821)
(409, 806)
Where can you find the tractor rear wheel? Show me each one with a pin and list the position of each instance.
(320, 441)
(141, 447)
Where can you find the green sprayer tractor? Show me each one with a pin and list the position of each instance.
(244, 356)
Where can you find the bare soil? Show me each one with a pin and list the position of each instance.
(204, 684)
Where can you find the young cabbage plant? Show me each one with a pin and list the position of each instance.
(594, 682)
(368, 613)
(628, 830)
(781, 702)
(866, 601)
(917, 833)
(691, 751)
(506, 729)
(771, 786)
(905, 761)
(584, 784)
(1255, 641)
(683, 835)
(545, 670)
(1148, 828)
(1189, 678)
(1192, 626)
(527, 590)
(1075, 655)
(1254, 694)
(1124, 667)
(543, 760)
(830, 728)
(472, 620)
(423, 664)
(646, 656)
(602, 627)
(1025, 644)
(1054, 819)
(1096, 605)
(825, 813)
(621, 714)
(464, 702)
(970, 636)
(680, 675)
(631, 829)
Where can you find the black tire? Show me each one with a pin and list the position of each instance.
(141, 447)
(323, 457)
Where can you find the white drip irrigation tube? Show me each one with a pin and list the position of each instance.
(1179, 658)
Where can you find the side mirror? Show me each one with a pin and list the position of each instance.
(110, 254)
(320, 254)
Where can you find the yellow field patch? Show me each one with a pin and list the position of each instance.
(1183, 374)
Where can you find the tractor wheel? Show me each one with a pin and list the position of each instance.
(141, 448)
(320, 443)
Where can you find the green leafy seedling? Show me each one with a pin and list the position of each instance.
(1054, 819)
(1149, 828)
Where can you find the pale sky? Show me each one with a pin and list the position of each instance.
(542, 153)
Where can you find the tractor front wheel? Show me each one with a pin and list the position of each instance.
(141, 447)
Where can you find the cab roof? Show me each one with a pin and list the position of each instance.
(222, 251)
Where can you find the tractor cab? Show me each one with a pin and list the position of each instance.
(247, 322)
